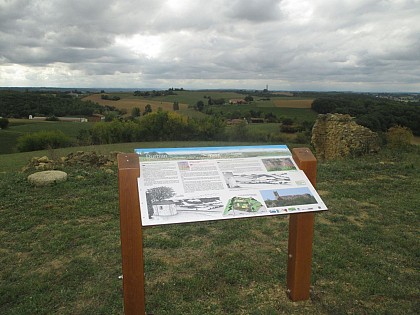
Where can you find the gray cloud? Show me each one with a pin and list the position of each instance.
(350, 44)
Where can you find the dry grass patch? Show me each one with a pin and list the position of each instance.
(53, 265)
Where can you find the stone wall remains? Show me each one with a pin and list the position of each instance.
(337, 136)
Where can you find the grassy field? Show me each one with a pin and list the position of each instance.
(60, 248)
(19, 127)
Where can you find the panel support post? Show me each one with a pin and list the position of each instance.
(131, 234)
(301, 232)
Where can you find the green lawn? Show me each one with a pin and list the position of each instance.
(60, 247)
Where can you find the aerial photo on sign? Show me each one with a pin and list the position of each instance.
(179, 185)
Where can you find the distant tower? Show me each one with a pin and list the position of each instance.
(277, 196)
(266, 87)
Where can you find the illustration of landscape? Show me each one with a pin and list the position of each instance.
(183, 208)
(288, 197)
(283, 164)
(244, 181)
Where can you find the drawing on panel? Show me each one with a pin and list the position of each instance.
(278, 164)
(250, 180)
(163, 202)
(184, 166)
(158, 202)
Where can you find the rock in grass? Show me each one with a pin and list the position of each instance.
(47, 178)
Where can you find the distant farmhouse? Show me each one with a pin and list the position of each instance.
(237, 101)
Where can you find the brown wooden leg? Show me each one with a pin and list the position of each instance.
(131, 234)
(301, 231)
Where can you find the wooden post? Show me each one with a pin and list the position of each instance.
(301, 231)
(131, 234)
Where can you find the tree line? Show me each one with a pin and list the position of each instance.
(377, 114)
(17, 104)
(155, 126)
(155, 93)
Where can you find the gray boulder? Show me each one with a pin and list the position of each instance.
(47, 178)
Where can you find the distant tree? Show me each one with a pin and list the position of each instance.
(287, 121)
(324, 105)
(255, 114)
(147, 109)
(4, 123)
(175, 106)
(249, 98)
(200, 105)
(270, 117)
(287, 126)
(135, 112)
(219, 101)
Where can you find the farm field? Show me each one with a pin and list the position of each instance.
(128, 103)
(60, 246)
(185, 98)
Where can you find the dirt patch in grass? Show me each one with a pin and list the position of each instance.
(323, 193)
(323, 220)
(359, 220)
(94, 220)
(52, 266)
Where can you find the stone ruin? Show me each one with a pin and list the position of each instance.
(337, 136)
(80, 158)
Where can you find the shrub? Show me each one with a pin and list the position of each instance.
(288, 129)
(4, 123)
(52, 118)
(399, 137)
(42, 140)
(239, 132)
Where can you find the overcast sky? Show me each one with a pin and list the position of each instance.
(359, 45)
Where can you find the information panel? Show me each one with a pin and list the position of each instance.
(179, 185)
